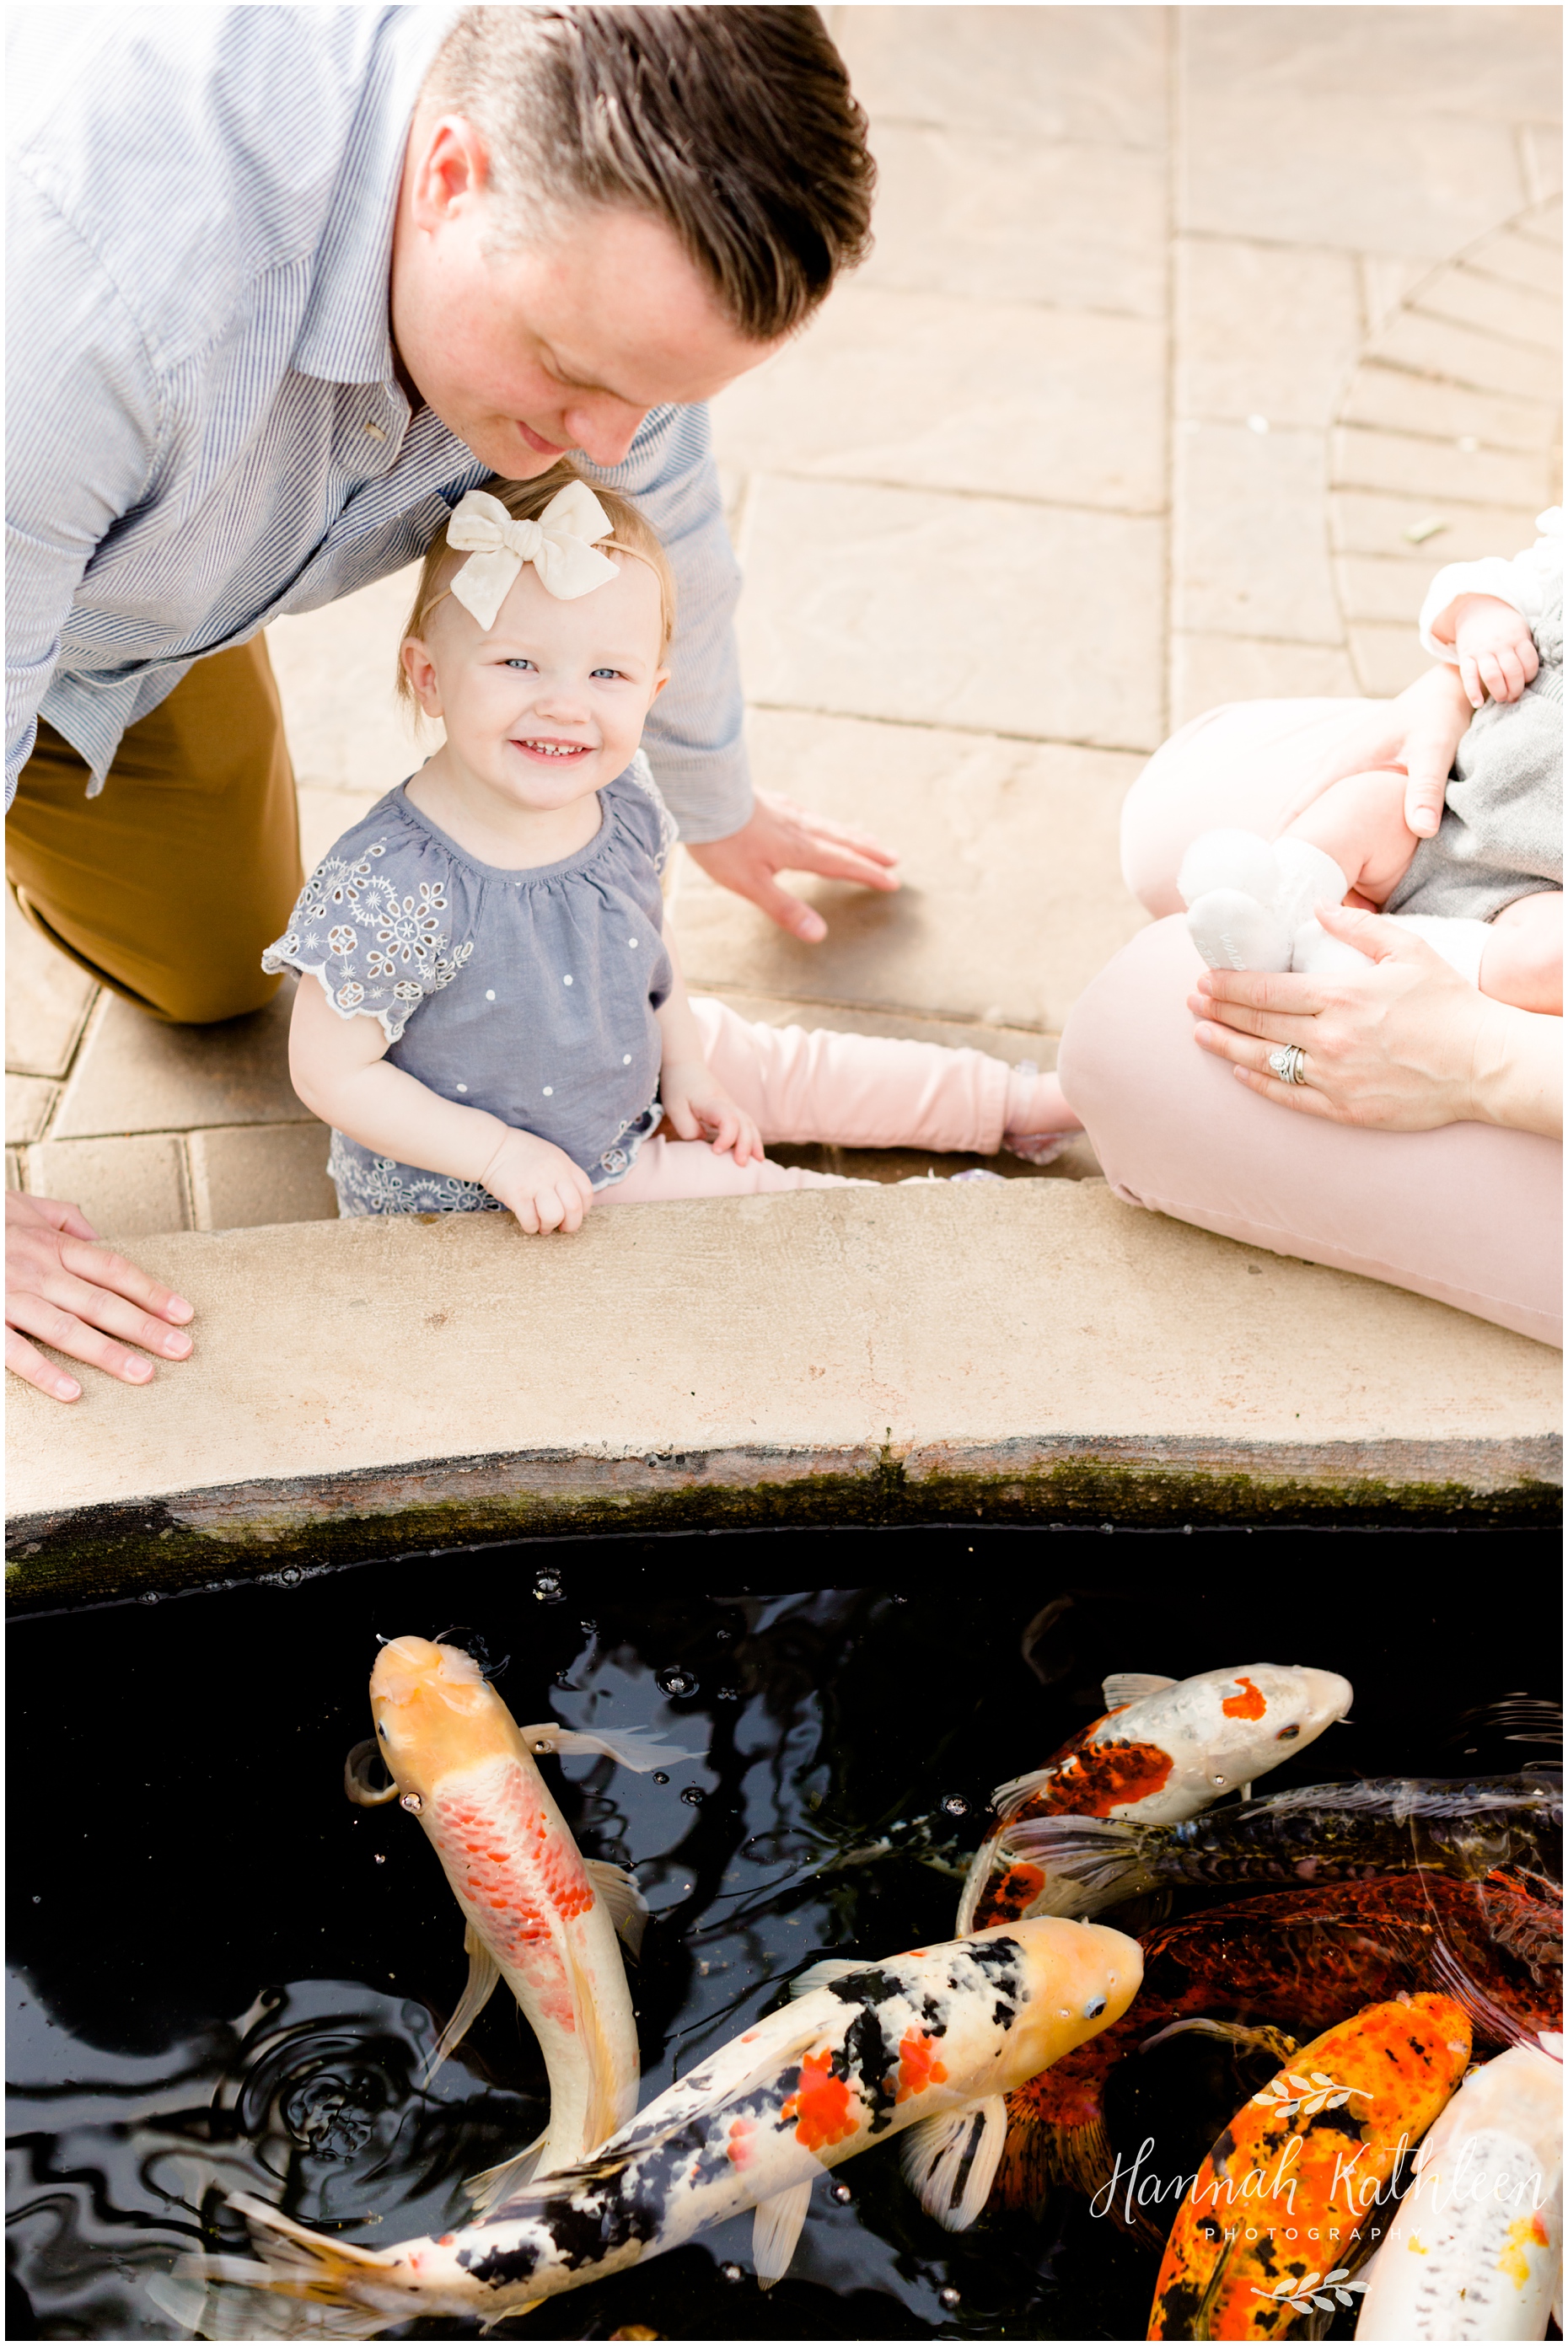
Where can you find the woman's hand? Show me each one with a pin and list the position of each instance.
(1402, 1044)
(697, 1104)
(539, 1183)
(1419, 732)
(63, 1288)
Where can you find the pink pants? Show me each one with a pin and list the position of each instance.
(862, 1091)
(1468, 1213)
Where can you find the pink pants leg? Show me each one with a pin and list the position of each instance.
(1468, 1214)
(803, 1084)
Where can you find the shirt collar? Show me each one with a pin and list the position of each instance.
(346, 335)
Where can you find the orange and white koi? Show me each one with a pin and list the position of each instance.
(538, 1914)
(1163, 1750)
(1284, 2208)
(1475, 2250)
(924, 2044)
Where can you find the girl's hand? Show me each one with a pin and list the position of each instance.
(539, 1183)
(1496, 650)
(697, 1104)
(1396, 1044)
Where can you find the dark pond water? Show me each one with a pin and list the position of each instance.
(222, 1975)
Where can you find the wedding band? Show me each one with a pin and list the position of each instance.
(1287, 1063)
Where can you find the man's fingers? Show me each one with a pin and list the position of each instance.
(835, 859)
(801, 920)
(35, 1315)
(25, 1362)
(69, 1219)
(99, 1266)
(99, 1307)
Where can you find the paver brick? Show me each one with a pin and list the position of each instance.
(923, 391)
(1249, 551)
(1394, 399)
(991, 219)
(1419, 60)
(128, 1186)
(1263, 329)
(336, 669)
(245, 1175)
(1541, 147)
(1435, 345)
(1529, 255)
(1514, 313)
(1207, 671)
(1086, 74)
(47, 999)
(1437, 470)
(1362, 522)
(949, 610)
(1011, 895)
(326, 815)
(1374, 588)
(28, 1100)
(135, 1074)
(1387, 658)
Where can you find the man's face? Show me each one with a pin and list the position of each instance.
(565, 343)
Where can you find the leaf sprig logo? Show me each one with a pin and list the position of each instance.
(1291, 2092)
(1306, 2295)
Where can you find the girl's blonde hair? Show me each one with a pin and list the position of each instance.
(525, 501)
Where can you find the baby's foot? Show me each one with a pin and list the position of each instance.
(1249, 902)
(1040, 1123)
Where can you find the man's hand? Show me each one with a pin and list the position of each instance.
(781, 837)
(70, 1292)
(1496, 650)
(700, 1109)
(539, 1183)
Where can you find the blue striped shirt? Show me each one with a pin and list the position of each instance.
(204, 425)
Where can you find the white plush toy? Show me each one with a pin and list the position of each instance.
(1250, 906)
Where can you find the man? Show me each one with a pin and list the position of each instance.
(286, 282)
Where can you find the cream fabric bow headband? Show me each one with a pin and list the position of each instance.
(559, 545)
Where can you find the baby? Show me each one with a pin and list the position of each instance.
(491, 1016)
(1486, 891)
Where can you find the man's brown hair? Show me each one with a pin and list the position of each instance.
(630, 533)
(734, 125)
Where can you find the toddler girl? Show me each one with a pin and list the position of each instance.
(1486, 891)
(492, 1017)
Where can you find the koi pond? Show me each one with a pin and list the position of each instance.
(224, 1976)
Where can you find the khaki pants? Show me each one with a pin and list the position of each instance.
(168, 886)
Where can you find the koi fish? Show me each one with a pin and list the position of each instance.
(1326, 1832)
(1286, 1964)
(538, 1914)
(1278, 2214)
(925, 2045)
(1164, 1749)
(1475, 2250)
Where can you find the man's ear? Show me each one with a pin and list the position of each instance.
(451, 170)
(420, 670)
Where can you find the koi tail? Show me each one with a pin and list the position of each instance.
(306, 2285)
(1039, 2152)
(1088, 1862)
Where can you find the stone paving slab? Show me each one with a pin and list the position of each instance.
(47, 999)
(1265, 330)
(1010, 887)
(1261, 1382)
(1091, 75)
(136, 1074)
(1249, 551)
(243, 1175)
(127, 1186)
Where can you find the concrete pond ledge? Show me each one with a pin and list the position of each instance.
(1027, 1352)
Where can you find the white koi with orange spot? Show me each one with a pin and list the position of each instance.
(538, 1916)
(924, 2046)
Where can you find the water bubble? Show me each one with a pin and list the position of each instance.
(587, 1628)
(334, 2117)
(948, 2297)
(289, 1575)
(842, 2194)
(694, 1796)
(36, 1898)
(148, 1598)
(724, 1636)
(729, 1694)
(676, 1682)
(412, 1802)
(1219, 1781)
(732, 2273)
(955, 1804)
(546, 1587)
(660, 1777)
(380, 1858)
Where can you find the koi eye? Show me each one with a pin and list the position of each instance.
(1092, 2009)
(381, 1730)
(1287, 1734)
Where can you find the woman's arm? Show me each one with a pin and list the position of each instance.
(337, 1067)
(1404, 1045)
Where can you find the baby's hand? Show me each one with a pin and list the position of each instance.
(1496, 650)
(700, 1107)
(539, 1183)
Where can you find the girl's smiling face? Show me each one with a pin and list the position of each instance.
(548, 704)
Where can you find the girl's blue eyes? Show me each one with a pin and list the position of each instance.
(613, 673)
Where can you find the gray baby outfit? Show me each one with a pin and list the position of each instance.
(535, 991)
(1501, 832)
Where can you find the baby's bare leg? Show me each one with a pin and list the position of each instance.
(1360, 823)
(1522, 962)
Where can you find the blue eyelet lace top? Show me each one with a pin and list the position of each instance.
(530, 994)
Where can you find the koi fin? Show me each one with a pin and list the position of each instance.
(823, 1975)
(306, 2285)
(630, 1747)
(492, 2184)
(1264, 2040)
(356, 1783)
(624, 1902)
(484, 1972)
(1126, 1686)
(1089, 1863)
(776, 2231)
(950, 2162)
